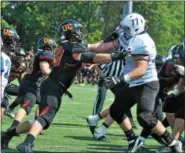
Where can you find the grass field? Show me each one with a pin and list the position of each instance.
(69, 131)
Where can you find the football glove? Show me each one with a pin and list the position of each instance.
(111, 82)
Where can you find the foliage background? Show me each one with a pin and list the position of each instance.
(35, 19)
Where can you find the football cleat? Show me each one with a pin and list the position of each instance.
(9, 114)
(92, 124)
(5, 139)
(99, 137)
(25, 148)
(176, 148)
(135, 145)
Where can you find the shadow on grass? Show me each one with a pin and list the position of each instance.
(108, 147)
(67, 124)
(9, 150)
(85, 138)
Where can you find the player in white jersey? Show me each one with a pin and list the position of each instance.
(9, 39)
(141, 76)
(5, 71)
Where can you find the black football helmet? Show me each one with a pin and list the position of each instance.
(9, 37)
(46, 43)
(70, 31)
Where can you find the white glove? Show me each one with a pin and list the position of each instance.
(179, 69)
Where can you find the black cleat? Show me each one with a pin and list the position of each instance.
(25, 148)
(5, 139)
(135, 145)
(92, 128)
(177, 147)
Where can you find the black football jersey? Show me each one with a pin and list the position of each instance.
(66, 66)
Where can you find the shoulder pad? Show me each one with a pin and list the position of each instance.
(79, 48)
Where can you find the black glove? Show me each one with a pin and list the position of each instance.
(111, 37)
(118, 56)
(12, 89)
(111, 82)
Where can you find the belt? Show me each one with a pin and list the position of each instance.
(65, 90)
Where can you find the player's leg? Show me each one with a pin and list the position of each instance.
(98, 105)
(48, 107)
(178, 127)
(8, 135)
(123, 102)
(12, 106)
(4, 104)
(27, 104)
(146, 102)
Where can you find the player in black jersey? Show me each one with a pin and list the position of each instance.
(68, 60)
(29, 86)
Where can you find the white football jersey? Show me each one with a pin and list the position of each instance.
(5, 65)
(140, 45)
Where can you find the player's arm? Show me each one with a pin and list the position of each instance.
(141, 66)
(103, 47)
(141, 63)
(46, 60)
(82, 53)
(45, 67)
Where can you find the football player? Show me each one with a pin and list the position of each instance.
(141, 75)
(68, 60)
(29, 93)
(8, 43)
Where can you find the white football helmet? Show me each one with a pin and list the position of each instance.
(132, 25)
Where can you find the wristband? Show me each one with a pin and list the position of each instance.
(174, 91)
(127, 78)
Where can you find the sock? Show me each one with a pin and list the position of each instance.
(12, 132)
(104, 124)
(12, 106)
(165, 122)
(145, 133)
(97, 117)
(158, 138)
(130, 135)
(29, 139)
(15, 123)
(169, 140)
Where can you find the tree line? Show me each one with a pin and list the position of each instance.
(35, 19)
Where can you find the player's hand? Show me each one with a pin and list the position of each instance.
(111, 82)
(179, 69)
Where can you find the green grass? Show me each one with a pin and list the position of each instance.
(69, 131)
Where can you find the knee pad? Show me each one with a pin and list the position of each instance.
(115, 114)
(28, 102)
(4, 102)
(146, 120)
(43, 122)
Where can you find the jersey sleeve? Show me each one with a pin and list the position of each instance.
(143, 47)
(80, 48)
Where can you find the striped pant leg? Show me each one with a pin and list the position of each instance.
(100, 98)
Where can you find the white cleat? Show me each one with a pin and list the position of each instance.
(9, 114)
